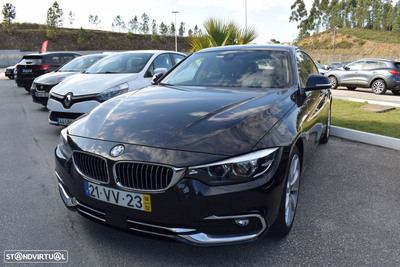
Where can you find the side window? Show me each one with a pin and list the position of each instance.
(53, 60)
(383, 65)
(162, 61)
(355, 65)
(177, 58)
(305, 65)
(68, 58)
(371, 65)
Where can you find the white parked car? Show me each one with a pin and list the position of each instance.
(109, 77)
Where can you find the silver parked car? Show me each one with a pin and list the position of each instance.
(378, 74)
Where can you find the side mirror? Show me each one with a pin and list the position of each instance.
(317, 82)
(156, 78)
(346, 68)
(160, 70)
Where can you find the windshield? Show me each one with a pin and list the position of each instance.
(244, 68)
(31, 60)
(121, 63)
(80, 64)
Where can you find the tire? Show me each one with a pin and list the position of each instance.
(290, 195)
(379, 87)
(28, 89)
(351, 88)
(334, 82)
(396, 92)
(325, 138)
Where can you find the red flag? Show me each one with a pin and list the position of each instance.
(44, 46)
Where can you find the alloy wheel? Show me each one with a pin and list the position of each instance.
(292, 190)
(378, 87)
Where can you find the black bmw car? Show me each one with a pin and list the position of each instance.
(42, 85)
(211, 154)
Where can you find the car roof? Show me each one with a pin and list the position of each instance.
(150, 51)
(52, 53)
(249, 47)
(377, 59)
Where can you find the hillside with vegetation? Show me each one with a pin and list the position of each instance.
(29, 37)
(351, 44)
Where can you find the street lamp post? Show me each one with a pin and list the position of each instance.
(245, 14)
(176, 40)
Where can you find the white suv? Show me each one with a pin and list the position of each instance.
(109, 77)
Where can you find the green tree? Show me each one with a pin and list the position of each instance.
(219, 33)
(133, 25)
(55, 16)
(190, 32)
(182, 29)
(71, 18)
(144, 25)
(154, 30)
(172, 29)
(94, 20)
(54, 20)
(9, 15)
(118, 22)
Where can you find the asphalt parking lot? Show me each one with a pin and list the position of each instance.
(348, 212)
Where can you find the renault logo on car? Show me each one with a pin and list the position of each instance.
(68, 99)
(117, 150)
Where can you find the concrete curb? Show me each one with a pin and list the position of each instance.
(368, 138)
(367, 100)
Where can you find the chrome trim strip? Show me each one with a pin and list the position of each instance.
(148, 232)
(246, 157)
(174, 230)
(86, 177)
(86, 207)
(176, 176)
(68, 201)
(202, 238)
(91, 215)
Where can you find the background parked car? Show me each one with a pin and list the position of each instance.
(9, 72)
(112, 76)
(321, 68)
(42, 85)
(378, 74)
(34, 65)
(212, 155)
(335, 65)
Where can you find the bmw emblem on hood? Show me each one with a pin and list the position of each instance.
(117, 150)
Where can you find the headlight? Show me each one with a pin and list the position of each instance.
(33, 86)
(63, 145)
(235, 170)
(113, 91)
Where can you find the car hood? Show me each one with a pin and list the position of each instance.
(53, 77)
(216, 121)
(87, 84)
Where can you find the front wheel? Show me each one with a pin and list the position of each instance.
(334, 82)
(28, 89)
(379, 87)
(395, 92)
(287, 209)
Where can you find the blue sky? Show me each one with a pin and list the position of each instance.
(269, 17)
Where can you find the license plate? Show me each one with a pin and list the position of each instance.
(118, 197)
(63, 121)
(27, 70)
(41, 94)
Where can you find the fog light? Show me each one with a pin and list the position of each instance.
(242, 222)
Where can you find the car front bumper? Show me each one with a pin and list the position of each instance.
(57, 110)
(190, 211)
